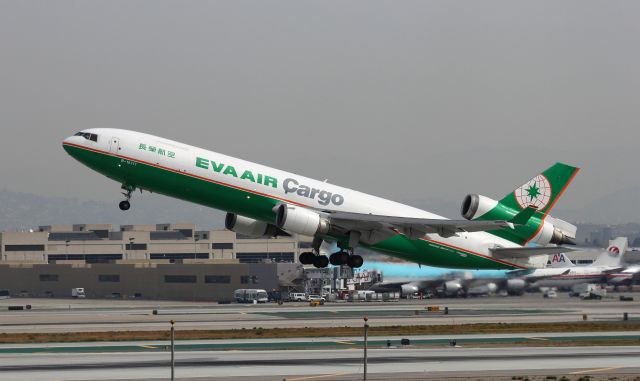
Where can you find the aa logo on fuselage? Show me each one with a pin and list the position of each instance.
(536, 192)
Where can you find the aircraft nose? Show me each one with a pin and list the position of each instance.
(66, 143)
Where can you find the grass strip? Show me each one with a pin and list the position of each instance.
(257, 332)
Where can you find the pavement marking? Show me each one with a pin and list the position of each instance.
(149, 347)
(537, 338)
(317, 377)
(597, 370)
(344, 342)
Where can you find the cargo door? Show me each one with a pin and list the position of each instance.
(114, 145)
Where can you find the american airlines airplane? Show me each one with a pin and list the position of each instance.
(564, 274)
(264, 202)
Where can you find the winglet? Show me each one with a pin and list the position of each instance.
(524, 215)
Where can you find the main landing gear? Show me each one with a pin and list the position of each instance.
(340, 258)
(128, 190)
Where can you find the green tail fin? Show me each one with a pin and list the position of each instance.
(528, 205)
(543, 190)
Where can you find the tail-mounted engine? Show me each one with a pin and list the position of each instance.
(553, 230)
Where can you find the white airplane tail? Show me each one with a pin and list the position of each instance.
(613, 255)
(560, 260)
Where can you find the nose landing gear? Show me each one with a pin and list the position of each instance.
(128, 190)
(124, 205)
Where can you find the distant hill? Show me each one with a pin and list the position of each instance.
(618, 207)
(22, 211)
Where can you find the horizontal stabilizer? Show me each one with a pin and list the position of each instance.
(524, 215)
(526, 252)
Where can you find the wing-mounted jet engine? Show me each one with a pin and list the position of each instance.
(250, 227)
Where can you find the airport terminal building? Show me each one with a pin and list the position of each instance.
(167, 261)
(164, 261)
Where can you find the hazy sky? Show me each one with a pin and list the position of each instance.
(402, 99)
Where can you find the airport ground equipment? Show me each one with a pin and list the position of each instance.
(251, 295)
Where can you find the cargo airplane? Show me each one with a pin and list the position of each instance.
(264, 202)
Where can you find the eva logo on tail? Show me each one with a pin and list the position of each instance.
(536, 192)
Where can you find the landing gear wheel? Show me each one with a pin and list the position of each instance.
(355, 261)
(321, 261)
(128, 190)
(306, 258)
(340, 258)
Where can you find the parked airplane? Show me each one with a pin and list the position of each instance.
(263, 201)
(564, 274)
(409, 279)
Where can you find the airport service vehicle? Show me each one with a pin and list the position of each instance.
(264, 202)
(593, 291)
(249, 295)
(78, 292)
(317, 297)
(564, 274)
(4, 294)
(316, 300)
(550, 293)
(299, 297)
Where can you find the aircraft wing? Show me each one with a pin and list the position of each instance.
(415, 227)
(613, 270)
(526, 252)
(419, 284)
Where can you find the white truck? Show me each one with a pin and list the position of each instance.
(590, 291)
(78, 292)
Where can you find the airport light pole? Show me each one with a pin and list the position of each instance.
(366, 328)
(173, 362)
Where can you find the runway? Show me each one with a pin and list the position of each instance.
(68, 315)
(338, 342)
(321, 364)
(329, 358)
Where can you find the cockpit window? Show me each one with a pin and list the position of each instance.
(88, 136)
